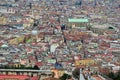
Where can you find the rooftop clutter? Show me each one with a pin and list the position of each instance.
(60, 34)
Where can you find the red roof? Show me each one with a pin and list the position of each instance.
(32, 58)
(17, 77)
(1, 43)
(39, 64)
(58, 27)
(35, 78)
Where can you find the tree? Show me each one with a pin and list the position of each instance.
(36, 67)
(76, 73)
(114, 76)
(65, 76)
(22, 66)
(117, 75)
(111, 75)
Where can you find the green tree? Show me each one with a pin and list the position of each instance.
(76, 73)
(111, 75)
(36, 67)
(65, 76)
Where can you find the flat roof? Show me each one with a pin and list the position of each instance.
(78, 20)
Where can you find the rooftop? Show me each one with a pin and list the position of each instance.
(78, 20)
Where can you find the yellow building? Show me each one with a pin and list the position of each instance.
(3, 20)
(13, 41)
(85, 62)
(20, 39)
(17, 40)
(31, 20)
(79, 47)
(16, 65)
